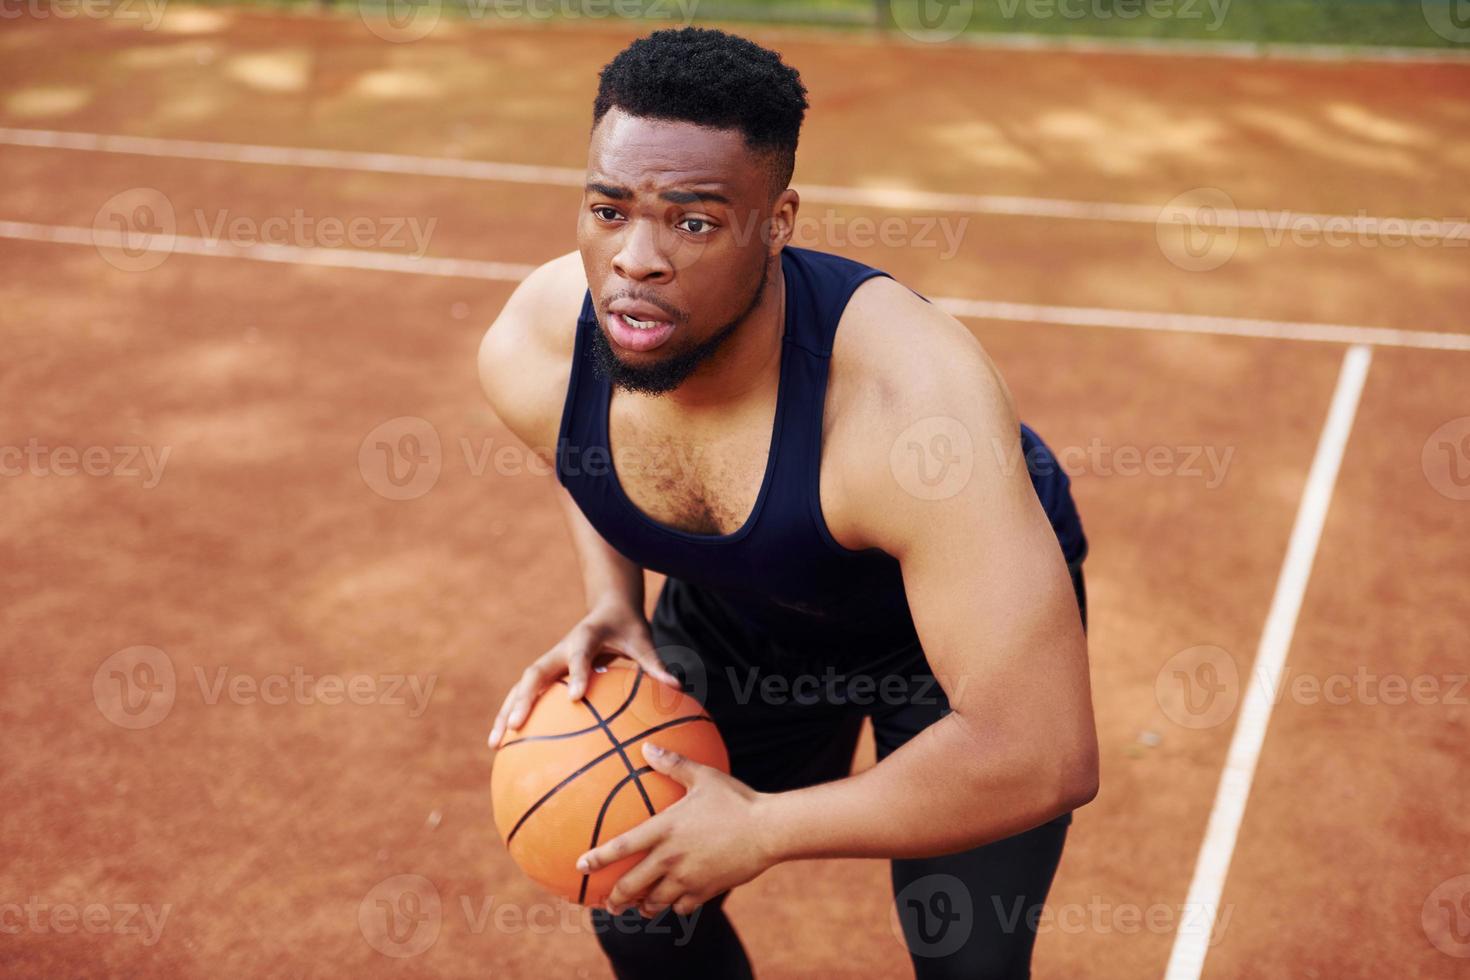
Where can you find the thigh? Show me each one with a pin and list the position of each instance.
(974, 914)
(703, 944)
(971, 914)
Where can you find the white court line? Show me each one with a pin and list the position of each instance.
(513, 272)
(1191, 944)
(295, 156)
(896, 198)
(1081, 316)
(338, 258)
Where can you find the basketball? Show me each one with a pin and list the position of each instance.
(573, 776)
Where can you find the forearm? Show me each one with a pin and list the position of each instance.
(948, 789)
(607, 576)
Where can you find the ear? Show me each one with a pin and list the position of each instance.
(782, 223)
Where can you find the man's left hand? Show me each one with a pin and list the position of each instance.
(702, 845)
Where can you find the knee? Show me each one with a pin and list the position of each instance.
(640, 947)
(952, 932)
(629, 937)
(969, 949)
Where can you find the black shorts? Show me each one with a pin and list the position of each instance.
(790, 724)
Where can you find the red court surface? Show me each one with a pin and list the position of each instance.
(267, 543)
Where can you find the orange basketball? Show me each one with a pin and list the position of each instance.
(573, 776)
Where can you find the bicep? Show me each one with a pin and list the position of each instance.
(985, 579)
(992, 600)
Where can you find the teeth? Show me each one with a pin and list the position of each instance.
(640, 324)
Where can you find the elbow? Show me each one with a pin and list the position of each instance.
(1077, 781)
(1079, 790)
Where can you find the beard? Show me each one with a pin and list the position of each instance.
(669, 373)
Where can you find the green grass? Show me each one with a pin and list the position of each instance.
(1350, 22)
(1398, 23)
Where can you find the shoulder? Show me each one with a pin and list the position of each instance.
(540, 318)
(896, 354)
(908, 382)
(525, 357)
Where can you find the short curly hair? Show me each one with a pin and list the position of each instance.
(710, 78)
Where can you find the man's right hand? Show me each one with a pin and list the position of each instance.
(614, 627)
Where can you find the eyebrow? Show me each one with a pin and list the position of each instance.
(608, 190)
(694, 197)
(672, 196)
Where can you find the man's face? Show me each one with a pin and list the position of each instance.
(674, 236)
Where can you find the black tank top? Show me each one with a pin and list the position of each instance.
(781, 573)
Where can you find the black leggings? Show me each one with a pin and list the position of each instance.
(967, 915)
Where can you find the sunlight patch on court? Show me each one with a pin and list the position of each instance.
(194, 20)
(151, 57)
(47, 101)
(984, 144)
(189, 107)
(1130, 140)
(1367, 124)
(286, 70)
(1302, 134)
(398, 83)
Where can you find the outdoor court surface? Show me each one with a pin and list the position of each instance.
(272, 825)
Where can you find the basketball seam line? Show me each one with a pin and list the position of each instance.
(618, 747)
(582, 731)
(597, 827)
(601, 758)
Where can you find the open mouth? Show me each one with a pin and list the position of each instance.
(634, 334)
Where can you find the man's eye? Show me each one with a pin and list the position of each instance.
(697, 226)
(605, 213)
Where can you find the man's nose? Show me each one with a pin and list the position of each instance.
(642, 257)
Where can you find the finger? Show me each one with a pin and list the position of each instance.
(664, 893)
(634, 886)
(672, 764)
(649, 661)
(498, 728)
(577, 677)
(686, 905)
(502, 720)
(643, 837)
(531, 684)
(525, 698)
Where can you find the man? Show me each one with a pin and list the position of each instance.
(849, 508)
